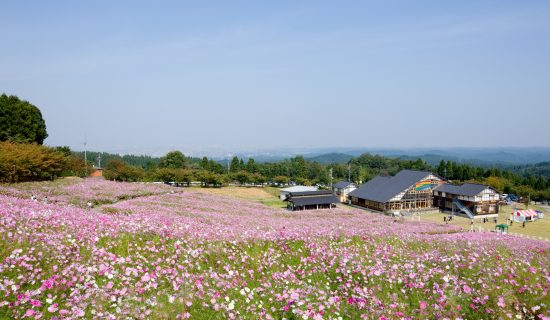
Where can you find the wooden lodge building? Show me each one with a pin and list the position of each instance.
(308, 200)
(342, 189)
(408, 190)
(470, 198)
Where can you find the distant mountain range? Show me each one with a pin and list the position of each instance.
(475, 156)
(329, 158)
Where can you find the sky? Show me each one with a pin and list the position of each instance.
(227, 76)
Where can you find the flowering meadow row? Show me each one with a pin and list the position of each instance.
(201, 256)
(77, 191)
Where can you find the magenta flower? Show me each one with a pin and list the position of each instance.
(35, 303)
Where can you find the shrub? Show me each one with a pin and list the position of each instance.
(29, 162)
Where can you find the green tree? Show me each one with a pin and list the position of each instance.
(235, 166)
(299, 167)
(251, 166)
(173, 159)
(118, 170)
(441, 168)
(243, 177)
(449, 170)
(281, 180)
(205, 164)
(21, 121)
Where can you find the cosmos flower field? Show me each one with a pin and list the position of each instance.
(151, 251)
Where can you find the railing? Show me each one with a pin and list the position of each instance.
(463, 208)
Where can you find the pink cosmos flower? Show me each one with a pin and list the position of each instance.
(500, 302)
(422, 305)
(35, 303)
(466, 288)
(30, 313)
(79, 313)
(53, 308)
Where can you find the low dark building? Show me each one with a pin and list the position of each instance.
(308, 200)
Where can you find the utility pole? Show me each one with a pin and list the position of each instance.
(85, 158)
(99, 161)
(349, 172)
(85, 161)
(228, 163)
(330, 175)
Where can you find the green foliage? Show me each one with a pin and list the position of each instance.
(251, 166)
(243, 177)
(174, 175)
(142, 161)
(281, 180)
(21, 121)
(173, 159)
(209, 179)
(120, 171)
(235, 165)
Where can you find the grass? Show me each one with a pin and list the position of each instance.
(268, 196)
(538, 229)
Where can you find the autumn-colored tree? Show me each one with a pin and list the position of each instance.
(29, 162)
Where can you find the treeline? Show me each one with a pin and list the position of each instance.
(504, 180)
(95, 158)
(537, 169)
(32, 162)
(175, 167)
(21, 162)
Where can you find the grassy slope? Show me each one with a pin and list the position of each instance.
(539, 228)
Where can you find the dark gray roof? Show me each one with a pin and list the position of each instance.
(467, 189)
(342, 184)
(382, 189)
(309, 193)
(448, 188)
(305, 201)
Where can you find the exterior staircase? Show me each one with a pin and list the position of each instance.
(463, 208)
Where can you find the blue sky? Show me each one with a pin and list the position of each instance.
(231, 75)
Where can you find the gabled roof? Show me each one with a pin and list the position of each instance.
(309, 193)
(305, 201)
(299, 189)
(382, 189)
(343, 184)
(467, 189)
